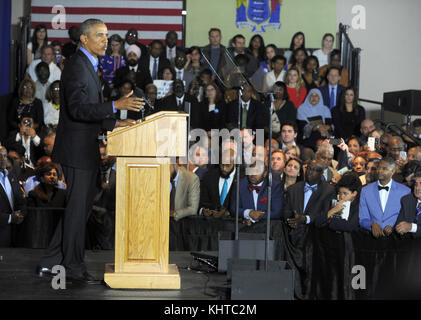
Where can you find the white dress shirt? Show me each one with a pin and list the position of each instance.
(245, 104)
(151, 63)
(134, 68)
(180, 100)
(27, 145)
(345, 210)
(55, 72)
(7, 187)
(229, 181)
(177, 71)
(414, 225)
(384, 195)
(270, 79)
(171, 53)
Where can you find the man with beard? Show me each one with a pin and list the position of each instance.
(143, 77)
(217, 187)
(12, 202)
(380, 201)
(184, 192)
(101, 224)
(175, 101)
(253, 202)
(305, 202)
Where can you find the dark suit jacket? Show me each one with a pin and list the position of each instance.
(408, 213)
(319, 202)
(143, 77)
(326, 94)
(247, 202)
(201, 173)
(337, 224)
(286, 113)
(162, 63)
(83, 115)
(209, 191)
(257, 115)
(338, 121)
(203, 119)
(5, 210)
(170, 103)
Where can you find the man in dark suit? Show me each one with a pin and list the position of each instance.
(254, 115)
(132, 39)
(332, 91)
(170, 48)
(253, 193)
(180, 73)
(409, 221)
(175, 101)
(217, 187)
(12, 202)
(154, 61)
(142, 75)
(83, 116)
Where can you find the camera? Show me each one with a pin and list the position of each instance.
(27, 123)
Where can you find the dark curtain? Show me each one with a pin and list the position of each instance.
(5, 23)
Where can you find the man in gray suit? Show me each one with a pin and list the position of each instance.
(185, 192)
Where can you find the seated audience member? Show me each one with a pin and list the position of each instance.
(151, 93)
(12, 201)
(293, 173)
(274, 143)
(367, 126)
(132, 37)
(114, 59)
(296, 88)
(348, 115)
(297, 59)
(199, 161)
(194, 64)
(155, 61)
(283, 109)
(314, 119)
(335, 61)
(310, 73)
(41, 220)
(210, 113)
(408, 222)
(42, 84)
(239, 48)
(28, 138)
(307, 155)
(19, 167)
(37, 42)
(408, 171)
(58, 52)
(247, 138)
(297, 41)
(278, 164)
(380, 201)
(101, 223)
(167, 73)
(49, 58)
(334, 245)
(253, 202)
(359, 166)
(70, 47)
(253, 113)
(277, 74)
(176, 100)
(25, 104)
(395, 148)
(257, 47)
(52, 105)
(217, 187)
(184, 192)
(305, 201)
(324, 155)
(292, 152)
(180, 72)
(289, 133)
(197, 86)
(414, 153)
(323, 54)
(171, 48)
(142, 77)
(332, 91)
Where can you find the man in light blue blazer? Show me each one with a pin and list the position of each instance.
(380, 201)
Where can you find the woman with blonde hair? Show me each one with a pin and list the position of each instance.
(296, 87)
(292, 151)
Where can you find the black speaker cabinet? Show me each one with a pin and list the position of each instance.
(407, 102)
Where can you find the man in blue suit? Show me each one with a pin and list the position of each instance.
(380, 201)
(332, 91)
(253, 204)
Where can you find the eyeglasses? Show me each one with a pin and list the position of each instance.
(28, 87)
(56, 89)
(132, 35)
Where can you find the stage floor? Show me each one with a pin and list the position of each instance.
(18, 280)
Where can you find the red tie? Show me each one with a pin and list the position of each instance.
(252, 187)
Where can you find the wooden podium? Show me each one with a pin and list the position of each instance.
(143, 154)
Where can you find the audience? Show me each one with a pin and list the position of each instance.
(323, 54)
(332, 91)
(48, 56)
(38, 41)
(295, 87)
(114, 59)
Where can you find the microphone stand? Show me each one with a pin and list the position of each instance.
(237, 167)
(269, 210)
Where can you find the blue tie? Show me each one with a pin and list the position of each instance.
(307, 187)
(224, 192)
(418, 212)
(332, 98)
(155, 69)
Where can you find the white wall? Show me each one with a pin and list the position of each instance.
(391, 46)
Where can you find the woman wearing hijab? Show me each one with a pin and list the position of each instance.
(314, 119)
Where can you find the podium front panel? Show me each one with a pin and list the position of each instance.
(142, 215)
